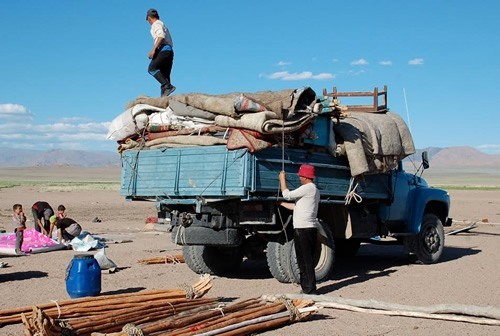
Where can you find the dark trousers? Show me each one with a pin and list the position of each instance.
(162, 62)
(305, 245)
(45, 222)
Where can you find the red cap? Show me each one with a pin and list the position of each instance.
(306, 171)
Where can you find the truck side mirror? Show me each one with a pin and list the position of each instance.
(425, 159)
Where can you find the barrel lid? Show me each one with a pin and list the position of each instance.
(83, 256)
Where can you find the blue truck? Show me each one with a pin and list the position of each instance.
(223, 205)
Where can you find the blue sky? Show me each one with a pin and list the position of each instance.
(67, 68)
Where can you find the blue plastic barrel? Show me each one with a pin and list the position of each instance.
(83, 276)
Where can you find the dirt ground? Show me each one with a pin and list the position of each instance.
(468, 272)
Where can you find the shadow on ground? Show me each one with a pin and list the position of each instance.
(372, 261)
(22, 276)
(124, 291)
(375, 261)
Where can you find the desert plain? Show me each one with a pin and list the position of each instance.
(468, 272)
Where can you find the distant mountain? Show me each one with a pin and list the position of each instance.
(450, 157)
(10, 157)
(456, 157)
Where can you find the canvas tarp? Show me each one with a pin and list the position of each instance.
(374, 142)
(225, 104)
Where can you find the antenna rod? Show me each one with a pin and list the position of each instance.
(407, 112)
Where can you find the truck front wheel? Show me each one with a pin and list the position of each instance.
(430, 240)
(213, 260)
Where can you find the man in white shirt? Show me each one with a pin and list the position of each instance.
(162, 54)
(305, 210)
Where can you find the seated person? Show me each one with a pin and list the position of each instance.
(67, 228)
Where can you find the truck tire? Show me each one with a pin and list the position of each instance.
(429, 243)
(212, 259)
(324, 257)
(275, 261)
(346, 247)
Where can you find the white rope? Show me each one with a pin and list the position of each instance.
(283, 148)
(58, 308)
(351, 193)
(220, 308)
(180, 234)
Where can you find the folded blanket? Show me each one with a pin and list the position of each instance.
(185, 131)
(182, 109)
(239, 138)
(251, 121)
(294, 123)
(168, 117)
(214, 104)
(130, 122)
(229, 104)
(194, 140)
(265, 122)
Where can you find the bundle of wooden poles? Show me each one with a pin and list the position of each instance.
(170, 312)
(106, 312)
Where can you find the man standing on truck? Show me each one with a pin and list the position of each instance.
(162, 54)
(305, 210)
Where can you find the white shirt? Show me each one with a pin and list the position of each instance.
(159, 30)
(306, 205)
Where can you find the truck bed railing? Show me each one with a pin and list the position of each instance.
(379, 104)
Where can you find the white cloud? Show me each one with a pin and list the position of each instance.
(335, 60)
(74, 119)
(283, 63)
(64, 135)
(285, 75)
(13, 111)
(355, 73)
(385, 62)
(416, 61)
(361, 61)
(489, 148)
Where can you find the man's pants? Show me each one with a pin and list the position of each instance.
(305, 245)
(45, 221)
(162, 62)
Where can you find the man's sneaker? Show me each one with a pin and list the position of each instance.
(168, 91)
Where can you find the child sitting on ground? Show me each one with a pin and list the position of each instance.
(19, 221)
(60, 212)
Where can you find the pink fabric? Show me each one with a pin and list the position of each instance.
(32, 240)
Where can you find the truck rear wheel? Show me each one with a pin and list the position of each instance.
(430, 240)
(284, 267)
(275, 261)
(213, 260)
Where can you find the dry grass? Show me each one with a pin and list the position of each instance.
(50, 179)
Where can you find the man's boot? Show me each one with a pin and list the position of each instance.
(166, 88)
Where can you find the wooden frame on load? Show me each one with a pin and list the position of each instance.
(376, 107)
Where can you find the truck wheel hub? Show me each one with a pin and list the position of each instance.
(431, 240)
